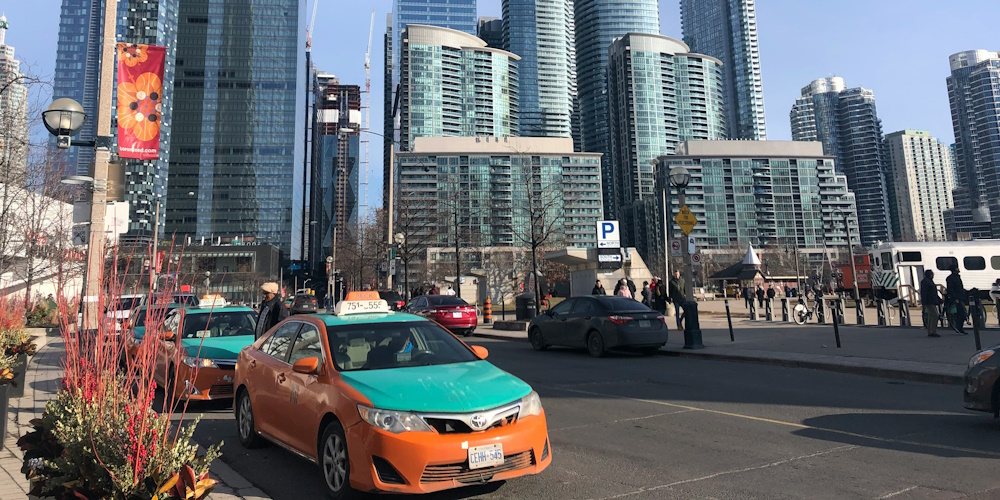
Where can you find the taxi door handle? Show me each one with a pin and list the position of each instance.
(281, 378)
(253, 363)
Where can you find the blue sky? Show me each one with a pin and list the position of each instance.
(897, 48)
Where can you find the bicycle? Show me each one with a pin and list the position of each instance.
(803, 313)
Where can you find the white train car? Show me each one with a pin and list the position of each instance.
(897, 268)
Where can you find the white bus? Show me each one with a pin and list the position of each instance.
(897, 268)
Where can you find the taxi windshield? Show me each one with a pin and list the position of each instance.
(218, 324)
(377, 346)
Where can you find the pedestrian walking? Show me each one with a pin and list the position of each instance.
(957, 297)
(631, 287)
(677, 297)
(647, 294)
(623, 289)
(598, 289)
(760, 297)
(272, 311)
(770, 294)
(931, 300)
(747, 297)
(660, 297)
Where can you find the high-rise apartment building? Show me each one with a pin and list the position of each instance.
(543, 34)
(921, 167)
(335, 166)
(659, 94)
(13, 109)
(237, 143)
(846, 122)
(975, 115)
(598, 24)
(727, 30)
(490, 30)
(454, 85)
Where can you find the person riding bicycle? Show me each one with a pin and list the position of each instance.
(957, 298)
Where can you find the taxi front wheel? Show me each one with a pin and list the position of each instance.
(334, 463)
(245, 422)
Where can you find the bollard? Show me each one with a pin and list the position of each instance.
(879, 312)
(730, 320)
(753, 311)
(692, 328)
(784, 309)
(859, 309)
(904, 314)
(821, 310)
(487, 311)
(996, 308)
(836, 323)
(976, 315)
(767, 310)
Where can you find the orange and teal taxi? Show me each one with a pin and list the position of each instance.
(387, 402)
(196, 358)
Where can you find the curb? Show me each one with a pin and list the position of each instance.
(494, 336)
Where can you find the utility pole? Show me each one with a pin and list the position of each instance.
(458, 260)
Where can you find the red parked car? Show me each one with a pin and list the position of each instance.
(450, 312)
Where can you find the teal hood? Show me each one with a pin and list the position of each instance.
(218, 347)
(451, 388)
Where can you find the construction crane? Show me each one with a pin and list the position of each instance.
(312, 25)
(365, 164)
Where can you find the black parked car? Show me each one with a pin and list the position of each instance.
(599, 323)
(982, 382)
(395, 301)
(304, 304)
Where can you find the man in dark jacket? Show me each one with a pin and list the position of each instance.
(271, 310)
(957, 298)
(677, 297)
(931, 300)
(598, 289)
(760, 297)
(747, 297)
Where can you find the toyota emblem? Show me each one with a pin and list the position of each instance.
(478, 421)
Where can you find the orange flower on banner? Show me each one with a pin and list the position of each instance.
(131, 54)
(139, 106)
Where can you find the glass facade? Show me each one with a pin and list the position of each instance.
(659, 95)
(14, 134)
(598, 24)
(975, 115)
(846, 122)
(237, 149)
(727, 30)
(543, 34)
(77, 69)
(921, 168)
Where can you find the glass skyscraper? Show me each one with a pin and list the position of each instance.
(236, 148)
(659, 94)
(975, 115)
(542, 33)
(727, 30)
(921, 167)
(78, 66)
(846, 122)
(13, 111)
(598, 24)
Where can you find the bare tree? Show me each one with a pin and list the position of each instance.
(540, 204)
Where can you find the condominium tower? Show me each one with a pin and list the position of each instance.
(598, 24)
(975, 115)
(13, 110)
(727, 30)
(921, 167)
(237, 147)
(846, 122)
(659, 94)
(542, 33)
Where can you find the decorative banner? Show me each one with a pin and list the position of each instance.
(140, 94)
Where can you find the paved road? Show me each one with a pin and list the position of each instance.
(658, 427)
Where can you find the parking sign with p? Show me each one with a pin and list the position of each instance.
(608, 235)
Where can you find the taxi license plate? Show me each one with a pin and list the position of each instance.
(490, 455)
(456, 315)
(644, 323)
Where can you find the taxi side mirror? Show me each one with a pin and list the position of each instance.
(481, 352)
(168, 335)
(308, 366)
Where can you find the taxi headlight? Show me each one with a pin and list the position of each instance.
(194, 362)
(980, 357)
(530, 405)
(393, 421)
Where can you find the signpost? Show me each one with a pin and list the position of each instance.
(696, 259)
(608, 234)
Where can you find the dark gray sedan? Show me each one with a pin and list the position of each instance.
(982, 390)
(599, 323)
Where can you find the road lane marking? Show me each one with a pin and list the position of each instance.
(631, 419)
(732, 471)
(789, 424)
(900, 492)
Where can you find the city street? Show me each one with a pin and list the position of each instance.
(662, 427)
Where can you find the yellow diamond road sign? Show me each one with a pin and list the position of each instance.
(686, 220)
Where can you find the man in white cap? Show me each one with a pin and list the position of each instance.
(272, 311)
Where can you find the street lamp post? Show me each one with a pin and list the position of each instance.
(666, 230)
(679, 177)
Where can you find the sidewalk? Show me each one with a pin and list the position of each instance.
(42, 382)
(892, 352)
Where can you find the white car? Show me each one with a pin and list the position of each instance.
(119, 308)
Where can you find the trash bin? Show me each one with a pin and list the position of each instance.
(525, 307)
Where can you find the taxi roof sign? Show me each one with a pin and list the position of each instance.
(363, 295)
(212, 300)
(361, 302)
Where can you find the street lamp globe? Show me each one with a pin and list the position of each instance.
(679, 177)
(329, 259)
(399, 238)
(64, 118)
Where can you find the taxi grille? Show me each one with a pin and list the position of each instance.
(222, 390)
(456, 426)
(225, 365)
(463, 474)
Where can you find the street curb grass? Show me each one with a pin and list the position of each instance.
(870, 371)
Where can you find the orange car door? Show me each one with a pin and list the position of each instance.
(305, 394)
(270, 409)
(165, 350)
